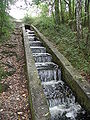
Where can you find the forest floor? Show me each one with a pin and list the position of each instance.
(14, 103)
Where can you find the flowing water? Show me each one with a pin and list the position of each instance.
(60, 98)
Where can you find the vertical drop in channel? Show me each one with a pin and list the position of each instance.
(60, 98)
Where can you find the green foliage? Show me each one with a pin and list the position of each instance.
(44, 22)
(5, 25)
(44, 9)
(28, 19)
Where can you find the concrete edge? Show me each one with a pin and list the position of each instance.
(37, 99)
(78, 84)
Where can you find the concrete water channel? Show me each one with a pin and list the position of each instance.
(60, 98)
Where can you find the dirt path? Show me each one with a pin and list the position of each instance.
(14, 100)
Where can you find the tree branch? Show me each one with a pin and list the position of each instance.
(67, 2)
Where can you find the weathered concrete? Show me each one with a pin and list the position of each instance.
(38, 103)
(78, 84)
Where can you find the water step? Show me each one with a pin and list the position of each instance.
(48, 71)
(31, 35)
(42, 57)
(31, 38)
(36, 49)
(63, 112)
(57, 93)
(56, 89)
(53, 82)
(29, 31)
(46, 66)
(35, 43)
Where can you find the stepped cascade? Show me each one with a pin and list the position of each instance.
(60, 98)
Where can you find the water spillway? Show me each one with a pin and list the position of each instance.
(35, 43)
(36, 49)
(42, 57)
(60, 98)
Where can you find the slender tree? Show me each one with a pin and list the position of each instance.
(78, 18)
(88, 13)
(85, 18)
(57, 15)
(73, 8)
(70, 13)
(61, 11)
(88, 35)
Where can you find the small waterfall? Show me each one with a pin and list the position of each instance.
(42, 57)
(47, 71)
(60, 98)
(36, 49)
(35, 43)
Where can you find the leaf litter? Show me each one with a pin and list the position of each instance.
(14, 104)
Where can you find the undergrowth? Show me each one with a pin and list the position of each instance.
(65, 41)
(7, 28)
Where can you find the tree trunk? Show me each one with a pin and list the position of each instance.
(85, 12)
(57, 16)
(73, 8)
(78, 19)
(88, 14)
(62, 16)
(50, 8)
(70, 14)
(88, 35)
(2, 11)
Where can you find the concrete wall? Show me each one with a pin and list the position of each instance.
(77, 83)
(38, 103)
